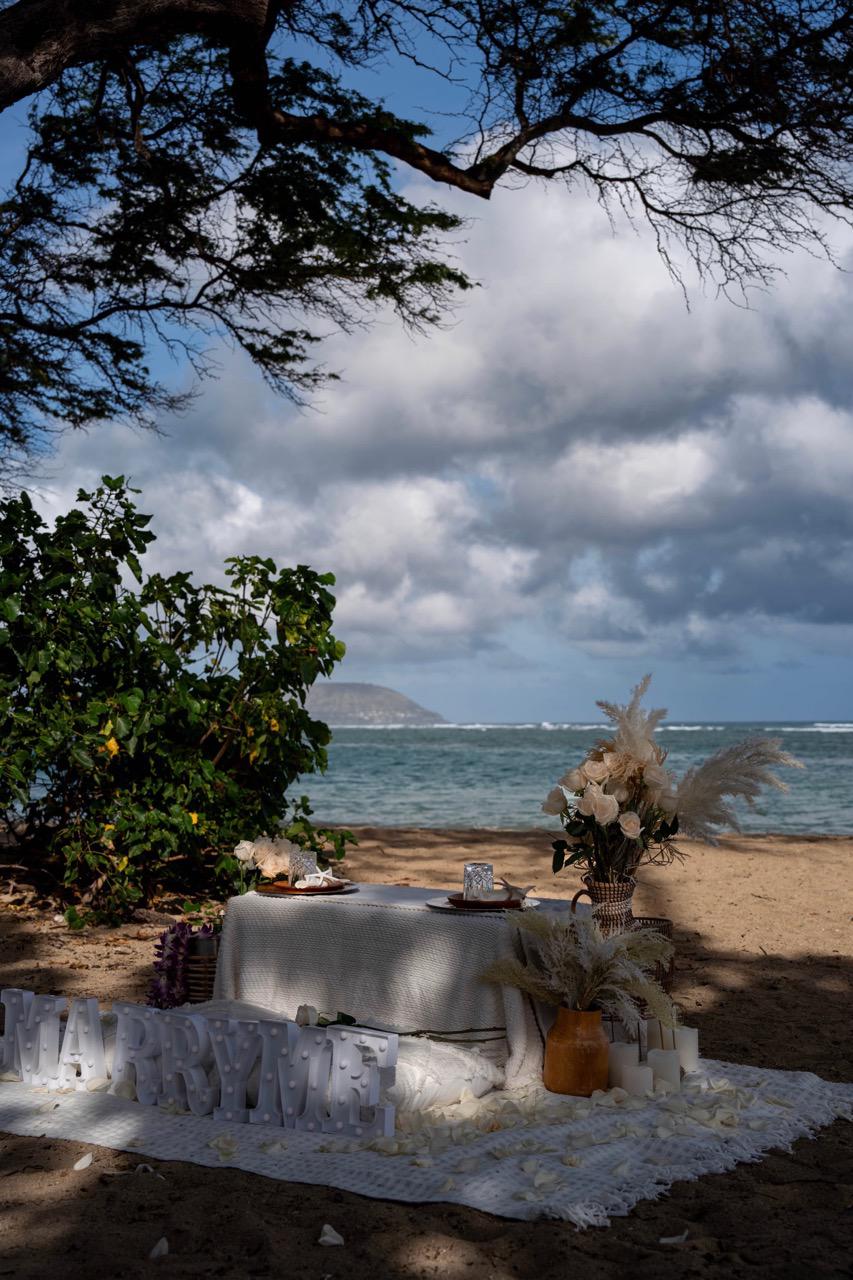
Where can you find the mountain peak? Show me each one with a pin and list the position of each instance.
(341, 704)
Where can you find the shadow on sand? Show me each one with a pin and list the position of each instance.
(786, 1218)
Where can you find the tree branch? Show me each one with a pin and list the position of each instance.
(39, 39)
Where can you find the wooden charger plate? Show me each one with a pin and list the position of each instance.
(489, 904)
(280, 888)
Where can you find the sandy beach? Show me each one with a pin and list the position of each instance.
(762, 927)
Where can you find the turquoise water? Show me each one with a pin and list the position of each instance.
(498, 775)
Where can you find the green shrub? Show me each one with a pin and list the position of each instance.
(145, 731)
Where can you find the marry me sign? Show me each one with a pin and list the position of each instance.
(260, 1071)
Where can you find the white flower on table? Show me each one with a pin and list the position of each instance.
(245, 853)
(574, 780)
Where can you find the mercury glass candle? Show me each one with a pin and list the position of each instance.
(666, 1066)
(300, 864)
(478, 879)
(687, 1045)
(621, 1055)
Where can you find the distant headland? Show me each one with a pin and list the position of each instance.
(340, 704)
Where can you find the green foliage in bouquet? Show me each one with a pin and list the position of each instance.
(621, 807)
(145, 731)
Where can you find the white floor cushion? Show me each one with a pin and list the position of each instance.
(432, 1073)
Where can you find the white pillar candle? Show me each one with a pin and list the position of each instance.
(637, 1080)
(687, 1044)
(621, 1055)
(666, 1066)
(651, 1034)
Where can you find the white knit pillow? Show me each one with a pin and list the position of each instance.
(433, 1073)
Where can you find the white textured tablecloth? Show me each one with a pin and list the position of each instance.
(385, 957)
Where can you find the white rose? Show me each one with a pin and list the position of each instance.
(554, 802)
(619, 790)
(596, 803)
(595, 770)
(245, 853)
(605, 808)
(573, 780)
(630, 825)
(587, 800)
(655, 776)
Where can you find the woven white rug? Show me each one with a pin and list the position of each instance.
(524, 1156)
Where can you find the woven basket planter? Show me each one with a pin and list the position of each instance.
(201, 972)
(201, 968)
(611, 903)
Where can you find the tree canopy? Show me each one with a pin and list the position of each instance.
(144, 732)
(200, 169)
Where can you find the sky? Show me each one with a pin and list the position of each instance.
(575, 481)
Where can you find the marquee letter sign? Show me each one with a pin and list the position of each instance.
(320, 1079)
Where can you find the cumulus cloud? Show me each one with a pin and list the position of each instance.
(575, 452)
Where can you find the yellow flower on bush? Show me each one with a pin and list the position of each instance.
(194, 819)
(273, 726)
(112, 746)
(109, 826)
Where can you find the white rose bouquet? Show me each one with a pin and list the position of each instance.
(621, 806)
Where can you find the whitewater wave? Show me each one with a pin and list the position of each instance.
(840, 727)
(691, 728)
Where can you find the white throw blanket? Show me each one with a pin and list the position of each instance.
(387, 959)
(518, 1157)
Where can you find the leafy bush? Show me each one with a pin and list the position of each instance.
(145, 731)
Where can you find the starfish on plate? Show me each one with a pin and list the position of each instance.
(515, 890)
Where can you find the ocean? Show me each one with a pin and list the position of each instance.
(482, 775)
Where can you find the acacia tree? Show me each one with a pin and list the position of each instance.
(200, 168)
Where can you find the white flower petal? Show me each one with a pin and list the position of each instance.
(123, 1089)
(329, 1236)
(84, 1161)
(160, 1249)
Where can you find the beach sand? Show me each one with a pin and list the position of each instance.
(762, 927)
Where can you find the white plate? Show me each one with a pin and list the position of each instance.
(441, 904)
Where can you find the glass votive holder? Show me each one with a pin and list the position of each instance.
(300, 864)
(478, 879)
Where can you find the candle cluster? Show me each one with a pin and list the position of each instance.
(655, 1061)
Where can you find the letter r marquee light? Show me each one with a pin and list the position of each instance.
(315, 1079)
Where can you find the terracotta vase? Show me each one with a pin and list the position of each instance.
(576, 1053)
(611, 903)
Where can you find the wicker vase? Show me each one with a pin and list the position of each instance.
(201, 968)
(576, 1053)
(611, 903)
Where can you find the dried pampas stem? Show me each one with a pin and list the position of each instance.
(739, 771)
